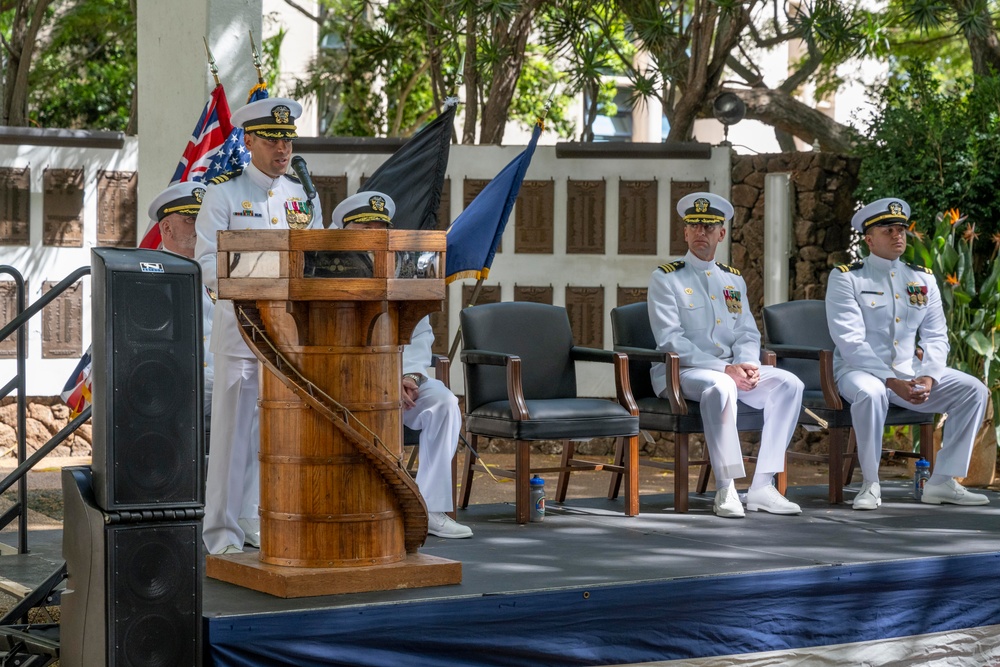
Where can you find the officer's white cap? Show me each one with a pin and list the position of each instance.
(273, 117)
(888, 211)
(704, 208)
(368, 206)
(184, 198)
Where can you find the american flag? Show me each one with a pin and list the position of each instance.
(233, 154)
(212, 129)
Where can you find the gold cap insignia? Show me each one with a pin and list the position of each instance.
(701, 205)
(198, 194)
(377, 203)
(281, 114)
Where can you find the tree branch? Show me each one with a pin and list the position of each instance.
(302, 10)
(785, 113)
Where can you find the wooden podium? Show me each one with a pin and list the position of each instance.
(326, 312)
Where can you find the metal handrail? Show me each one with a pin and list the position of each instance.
(18, 384)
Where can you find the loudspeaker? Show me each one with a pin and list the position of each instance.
(148, 419)
(133, 596)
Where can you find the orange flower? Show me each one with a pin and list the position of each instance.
(970, 234)
(952, 215)
(952, 279)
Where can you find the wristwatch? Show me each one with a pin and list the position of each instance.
(417, 378)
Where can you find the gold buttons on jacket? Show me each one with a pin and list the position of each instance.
(897, 296)
(270, 193)
(897, 320)
(713, 297)
(274, 221)
(895, 342)
(718, 321)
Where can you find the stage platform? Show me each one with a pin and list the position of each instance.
(589, 586)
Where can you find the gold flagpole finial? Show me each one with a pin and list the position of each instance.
(211, 62)
(256, 58)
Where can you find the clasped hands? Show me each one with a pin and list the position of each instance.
(745, 375)
(913, 391)
(410, 392)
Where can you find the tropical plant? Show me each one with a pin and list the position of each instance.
(970, 297)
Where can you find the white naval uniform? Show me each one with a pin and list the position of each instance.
(876, 309)
(698, 310)
(250, 200)
(438, 418)
(207, 315)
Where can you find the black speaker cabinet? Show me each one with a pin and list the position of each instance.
(134, 591)
(148, 421)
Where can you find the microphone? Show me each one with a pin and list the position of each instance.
(302, 171)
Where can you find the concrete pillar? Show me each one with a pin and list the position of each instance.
(174, 80)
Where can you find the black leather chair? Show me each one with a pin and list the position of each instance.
(411, 437)
(520, 384)
(633, 336)
(797, 333)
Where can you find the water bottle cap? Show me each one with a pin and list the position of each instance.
(923, 463)
(536, 481)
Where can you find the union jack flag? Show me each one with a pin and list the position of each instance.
(210, 133)
(77, 390)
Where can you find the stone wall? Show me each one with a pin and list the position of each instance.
(46, 416)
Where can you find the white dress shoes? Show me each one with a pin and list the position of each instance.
(870, 496)
(442, 525)
(251, 532)
(951, 492)
(727, 503)
(768, 499)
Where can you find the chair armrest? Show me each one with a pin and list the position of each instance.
(623, 386)
(442, 368)
(768, 357)
(795, 351)
(577, 353)
(515, 386)
(643, 354)
(673, 371)
(830, 392)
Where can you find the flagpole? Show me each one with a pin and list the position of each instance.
(211, 62)
(256, 58)
(479, 283)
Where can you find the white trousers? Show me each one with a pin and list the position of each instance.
(958, 394)
(232, 490)
(778, 394)
(438, 418)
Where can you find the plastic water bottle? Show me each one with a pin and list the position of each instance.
(922, 471)
(537, 498)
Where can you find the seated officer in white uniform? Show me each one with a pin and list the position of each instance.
(261, 196)
(698, 310)
(878, 310)
(174, 210)
(428, 405)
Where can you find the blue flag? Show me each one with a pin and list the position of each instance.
(474, 236)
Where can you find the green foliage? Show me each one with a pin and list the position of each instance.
(936, 147)
(971, 305)
(85, 76)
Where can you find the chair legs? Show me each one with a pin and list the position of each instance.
(681, 472)
(839, 437)
(562, 485)
(470, 460)
(927, 443)
(522, 481)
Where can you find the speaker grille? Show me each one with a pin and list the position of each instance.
(148, 377)
(154, 594)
